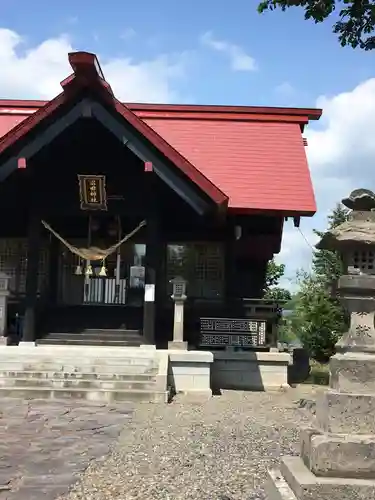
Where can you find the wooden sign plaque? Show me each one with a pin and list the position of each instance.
(92, 192)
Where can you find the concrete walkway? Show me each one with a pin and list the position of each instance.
(44, 445)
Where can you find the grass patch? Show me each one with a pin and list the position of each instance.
(319, 373)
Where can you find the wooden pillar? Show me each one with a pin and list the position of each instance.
(33, 244)
(152, 272)
(53, 270)
(152, 258)
(230, 269)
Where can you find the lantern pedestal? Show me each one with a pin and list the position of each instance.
(357, 293)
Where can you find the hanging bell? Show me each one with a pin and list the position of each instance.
(103, 271)
(78, 270)
(88, 271)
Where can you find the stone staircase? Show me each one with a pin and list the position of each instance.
(94, 337)
(84, 372)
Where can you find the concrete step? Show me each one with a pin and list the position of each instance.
(95, 334)
(112, 331)
(87, 361)
(42, 375)
(89, 341)
(82, 359)
(85, 354)
(123, 353)
(106, 396)
(90, 372)
(78, 383)
(69, 367)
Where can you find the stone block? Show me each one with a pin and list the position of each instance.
(329, 455)
(190, 371)
(353, 373)
(277, 488)
(294, 478)
(250, 370)
(346, 413)
(178, 345)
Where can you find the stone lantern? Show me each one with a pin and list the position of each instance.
(4, 294)
(337, 457)
(355, 241)
(179, 297)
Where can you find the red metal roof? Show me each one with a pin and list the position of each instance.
(253, 156)
(259, 165)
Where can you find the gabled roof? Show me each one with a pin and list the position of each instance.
(87, 73)
(253, 156)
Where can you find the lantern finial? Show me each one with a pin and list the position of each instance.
(360, 200)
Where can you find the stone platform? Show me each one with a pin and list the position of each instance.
(103, 374)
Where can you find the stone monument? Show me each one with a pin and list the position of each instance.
(337, 459)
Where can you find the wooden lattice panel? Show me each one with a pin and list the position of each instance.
(22, 255)
(9, 260)
(201, 264)
(13, 262)
(232, 332)
(43, 268)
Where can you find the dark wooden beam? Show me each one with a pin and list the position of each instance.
(296, 221)
(125, 134)
(42, 139)
(53, 270)
(152, 260)
(33, 241)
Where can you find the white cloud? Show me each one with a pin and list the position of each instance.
(341, 155)
(35, 72)
(239, 59)
(285, 89)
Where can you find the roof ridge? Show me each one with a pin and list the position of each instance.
(311, 113)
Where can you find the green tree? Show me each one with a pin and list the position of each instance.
(356, 18)
(291, 304)
(278, 294)
(318, 318)
(273, 275)
(286, 333)
(327, 265)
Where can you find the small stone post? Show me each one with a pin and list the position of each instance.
(4, 294)
(179, 297)
(337, 458)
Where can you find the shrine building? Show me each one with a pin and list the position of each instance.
(103, 203)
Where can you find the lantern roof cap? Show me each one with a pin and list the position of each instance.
(359, 229)
(360, 199)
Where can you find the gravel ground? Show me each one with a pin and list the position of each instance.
(217, 450)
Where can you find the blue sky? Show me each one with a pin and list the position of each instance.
(287, 49)
(213, 53)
